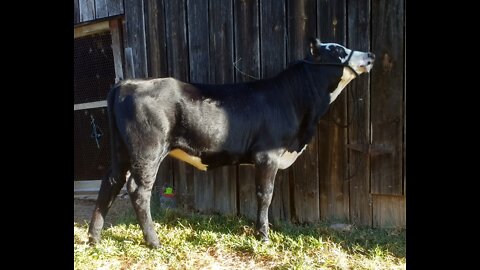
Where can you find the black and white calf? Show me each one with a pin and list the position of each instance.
(266, 123)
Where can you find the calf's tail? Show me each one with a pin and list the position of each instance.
(115, 178)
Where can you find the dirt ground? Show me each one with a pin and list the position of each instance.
(84, 205)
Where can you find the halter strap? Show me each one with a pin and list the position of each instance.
(343, 64)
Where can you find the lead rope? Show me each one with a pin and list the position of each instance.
(344, 64)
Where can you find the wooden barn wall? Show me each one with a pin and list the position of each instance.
(89, 10)
(353, 171)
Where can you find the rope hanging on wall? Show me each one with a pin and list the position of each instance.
(96, 131)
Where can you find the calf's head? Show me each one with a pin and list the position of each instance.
(334, 53)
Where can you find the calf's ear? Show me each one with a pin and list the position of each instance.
(314, 46)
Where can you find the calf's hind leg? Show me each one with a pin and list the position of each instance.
(139, 187)
(111, 185)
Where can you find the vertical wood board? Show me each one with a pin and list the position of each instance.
(221, 71)
(155, 38)
(387, 96)
(359, 110)
(76, 12)
(302, 26)
(247, 59)
(135, 36)
(101, 9)
(115, 7)
(87, 10)
(332, 136)
(389, 211)
(178, 67)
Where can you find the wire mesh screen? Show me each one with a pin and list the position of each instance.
(91, 144)
(94, 71)
(94, 75)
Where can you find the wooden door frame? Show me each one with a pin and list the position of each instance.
(114, 26)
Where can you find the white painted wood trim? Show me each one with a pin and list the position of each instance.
(117, 49)
(90, 105)
(89, 186)
(90, 29)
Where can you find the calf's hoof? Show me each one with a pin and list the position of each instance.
(152, 242)
(153, 245)
(262, 237)
(92, 240)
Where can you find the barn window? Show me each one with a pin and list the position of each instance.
(97, 66)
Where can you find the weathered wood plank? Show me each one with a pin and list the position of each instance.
(273, 37)
(225, 190)
(178, 67)
(129, 66)
(332, 155)
(177, 50)
(183, 183)
(157, 67)
(273, 60)
(306, 185)
(199, 55)
(389, 211)
(247, 42)
(156, 38)
(246, 192)
(332, 138)
(221, 41)
(198, 44)
(247, 58)
(221, 71)
(331, 18)
(359, 111)
(280, 208)
(135, 36)
(115, 7)
(116, 33)
(87, 10)
(203, 191)
(404, 145)
(76, 12)
(387, 95)
(101, 10)
(301, 26)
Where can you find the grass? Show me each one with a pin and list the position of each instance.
(194, 241)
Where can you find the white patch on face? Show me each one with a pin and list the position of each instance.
(331, 46)
(347, 77)
(360, 62)
(287, 158)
